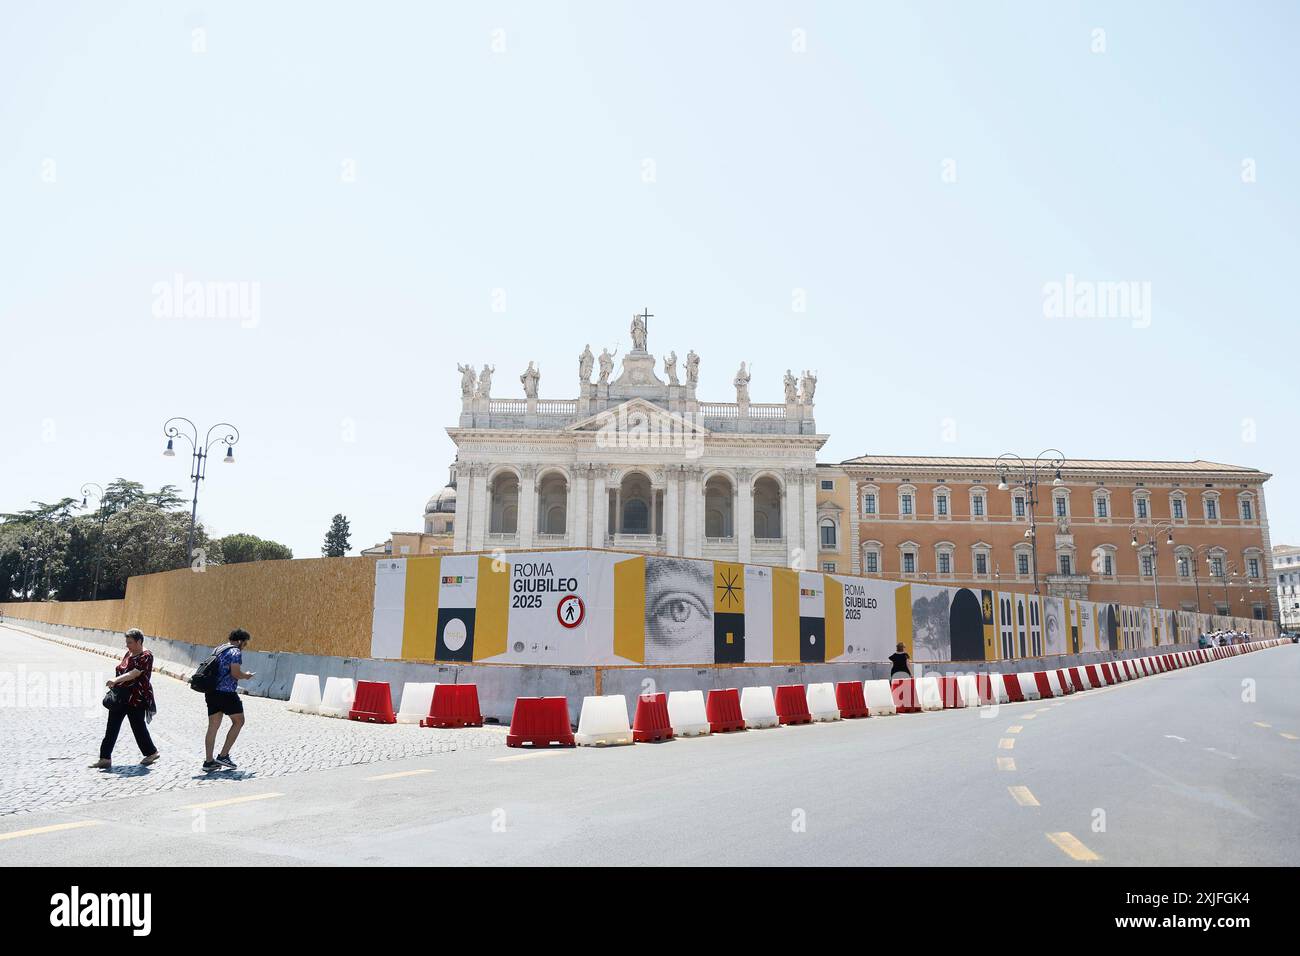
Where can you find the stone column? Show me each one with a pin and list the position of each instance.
(672, 543)
(460, 530)
(810, 518)
(478, 509)
(527, 505)
(693, 513)
(576, 511)
(744, 508)
(599, 508)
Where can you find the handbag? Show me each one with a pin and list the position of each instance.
(115, 698)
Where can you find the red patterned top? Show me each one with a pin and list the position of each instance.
(141, 690)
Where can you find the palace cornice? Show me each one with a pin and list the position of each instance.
(1069, 476)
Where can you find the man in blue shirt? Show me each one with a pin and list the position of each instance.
(224, 701)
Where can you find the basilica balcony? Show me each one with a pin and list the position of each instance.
(625, 541)
(508, 539)
(548, 540)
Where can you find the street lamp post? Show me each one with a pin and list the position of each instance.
(198, 459)
(1152, 535)
(88, 489)
(1050, 459)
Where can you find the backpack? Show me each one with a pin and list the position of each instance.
(207, 675)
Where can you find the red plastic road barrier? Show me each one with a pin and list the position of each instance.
(373, 703)
(850, 699)
(454, 705)
(1044, 685)
(723, 710)
(792, 704)
(1077, 678)
(1012, 684)
(1067, 687)
(651, 722)
(1094, 676)
(950, 692)
(906, 700)
(1112, 675)
(540, 722)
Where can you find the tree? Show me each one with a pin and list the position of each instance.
(337, 541)
(240, 548)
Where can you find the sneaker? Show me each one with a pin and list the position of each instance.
(225, 761)
(102, 764)
(210, 765)
(152, 758)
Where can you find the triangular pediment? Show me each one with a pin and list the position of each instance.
(638, 414)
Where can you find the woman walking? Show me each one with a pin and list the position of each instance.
(898, 664)
(130, 697)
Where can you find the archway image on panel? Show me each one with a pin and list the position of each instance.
(966, 627)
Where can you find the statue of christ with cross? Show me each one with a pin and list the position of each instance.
(639, 330)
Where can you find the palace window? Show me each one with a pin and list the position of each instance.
(1247, 508)
(1148, 565)
(1022, 563)
(1142, 506)
(905, 504)
(1066, 564)
(977, 503)
(872, 563)
(828, 485)
(828, 567)
(1252, 567)
(941, 504)
(1062, 503)
(981, 563)
(943, 559)
(869, 503)
(1018, 506)
(1184, 564)
(827, 527)
(1216, 566)
(1210, 502)
(909, 562)
(1101, 504)
(1177, 507)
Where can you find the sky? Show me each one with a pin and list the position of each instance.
(885, 193)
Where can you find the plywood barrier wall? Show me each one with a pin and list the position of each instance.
(312, 606)
(103, 615)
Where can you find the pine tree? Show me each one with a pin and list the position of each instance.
(337, 541)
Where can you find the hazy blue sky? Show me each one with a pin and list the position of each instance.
(378, 169)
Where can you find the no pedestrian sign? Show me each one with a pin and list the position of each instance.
(571, 610)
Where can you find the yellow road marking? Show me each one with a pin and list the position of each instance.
(527, 756)
(231, 801)
(1023, 797)
(402, 773)
(1260, 723)
(1006, 763)
(1070, 845)
(1015, 728)
(1289, 736)
(1007, 743)
(52, 828)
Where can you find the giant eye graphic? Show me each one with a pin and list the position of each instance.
(678, 616)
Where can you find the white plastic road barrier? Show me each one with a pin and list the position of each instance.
(687, 714)
(1028, 686)
(880, 699)
(416, 701)
(1054, 682)
(338, 697)
(305, 696)
(822, 703)
(603, 722)
(927, 688)
(968, 687)
(758, 707)
(998, 685)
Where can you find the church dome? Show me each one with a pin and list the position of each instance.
(443, 502)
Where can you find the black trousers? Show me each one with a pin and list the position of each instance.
(138, 727)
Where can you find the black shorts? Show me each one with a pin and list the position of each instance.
(224, 702)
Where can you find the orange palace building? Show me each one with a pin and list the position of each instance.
(1201, 529)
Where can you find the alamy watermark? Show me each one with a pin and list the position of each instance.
(1098, 299)
(182, 298)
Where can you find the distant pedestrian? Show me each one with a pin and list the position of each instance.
(224, 701)
(898, 662)
(130, 697)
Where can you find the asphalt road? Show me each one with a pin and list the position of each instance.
(1196, 767)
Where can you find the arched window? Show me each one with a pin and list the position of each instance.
(504, 498)
(635, 497)
(827, 536)
(767, 508)
(718, 504)
(552, 503)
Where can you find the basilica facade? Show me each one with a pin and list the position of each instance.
(637, 462)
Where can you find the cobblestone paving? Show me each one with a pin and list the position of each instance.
(52, 723)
